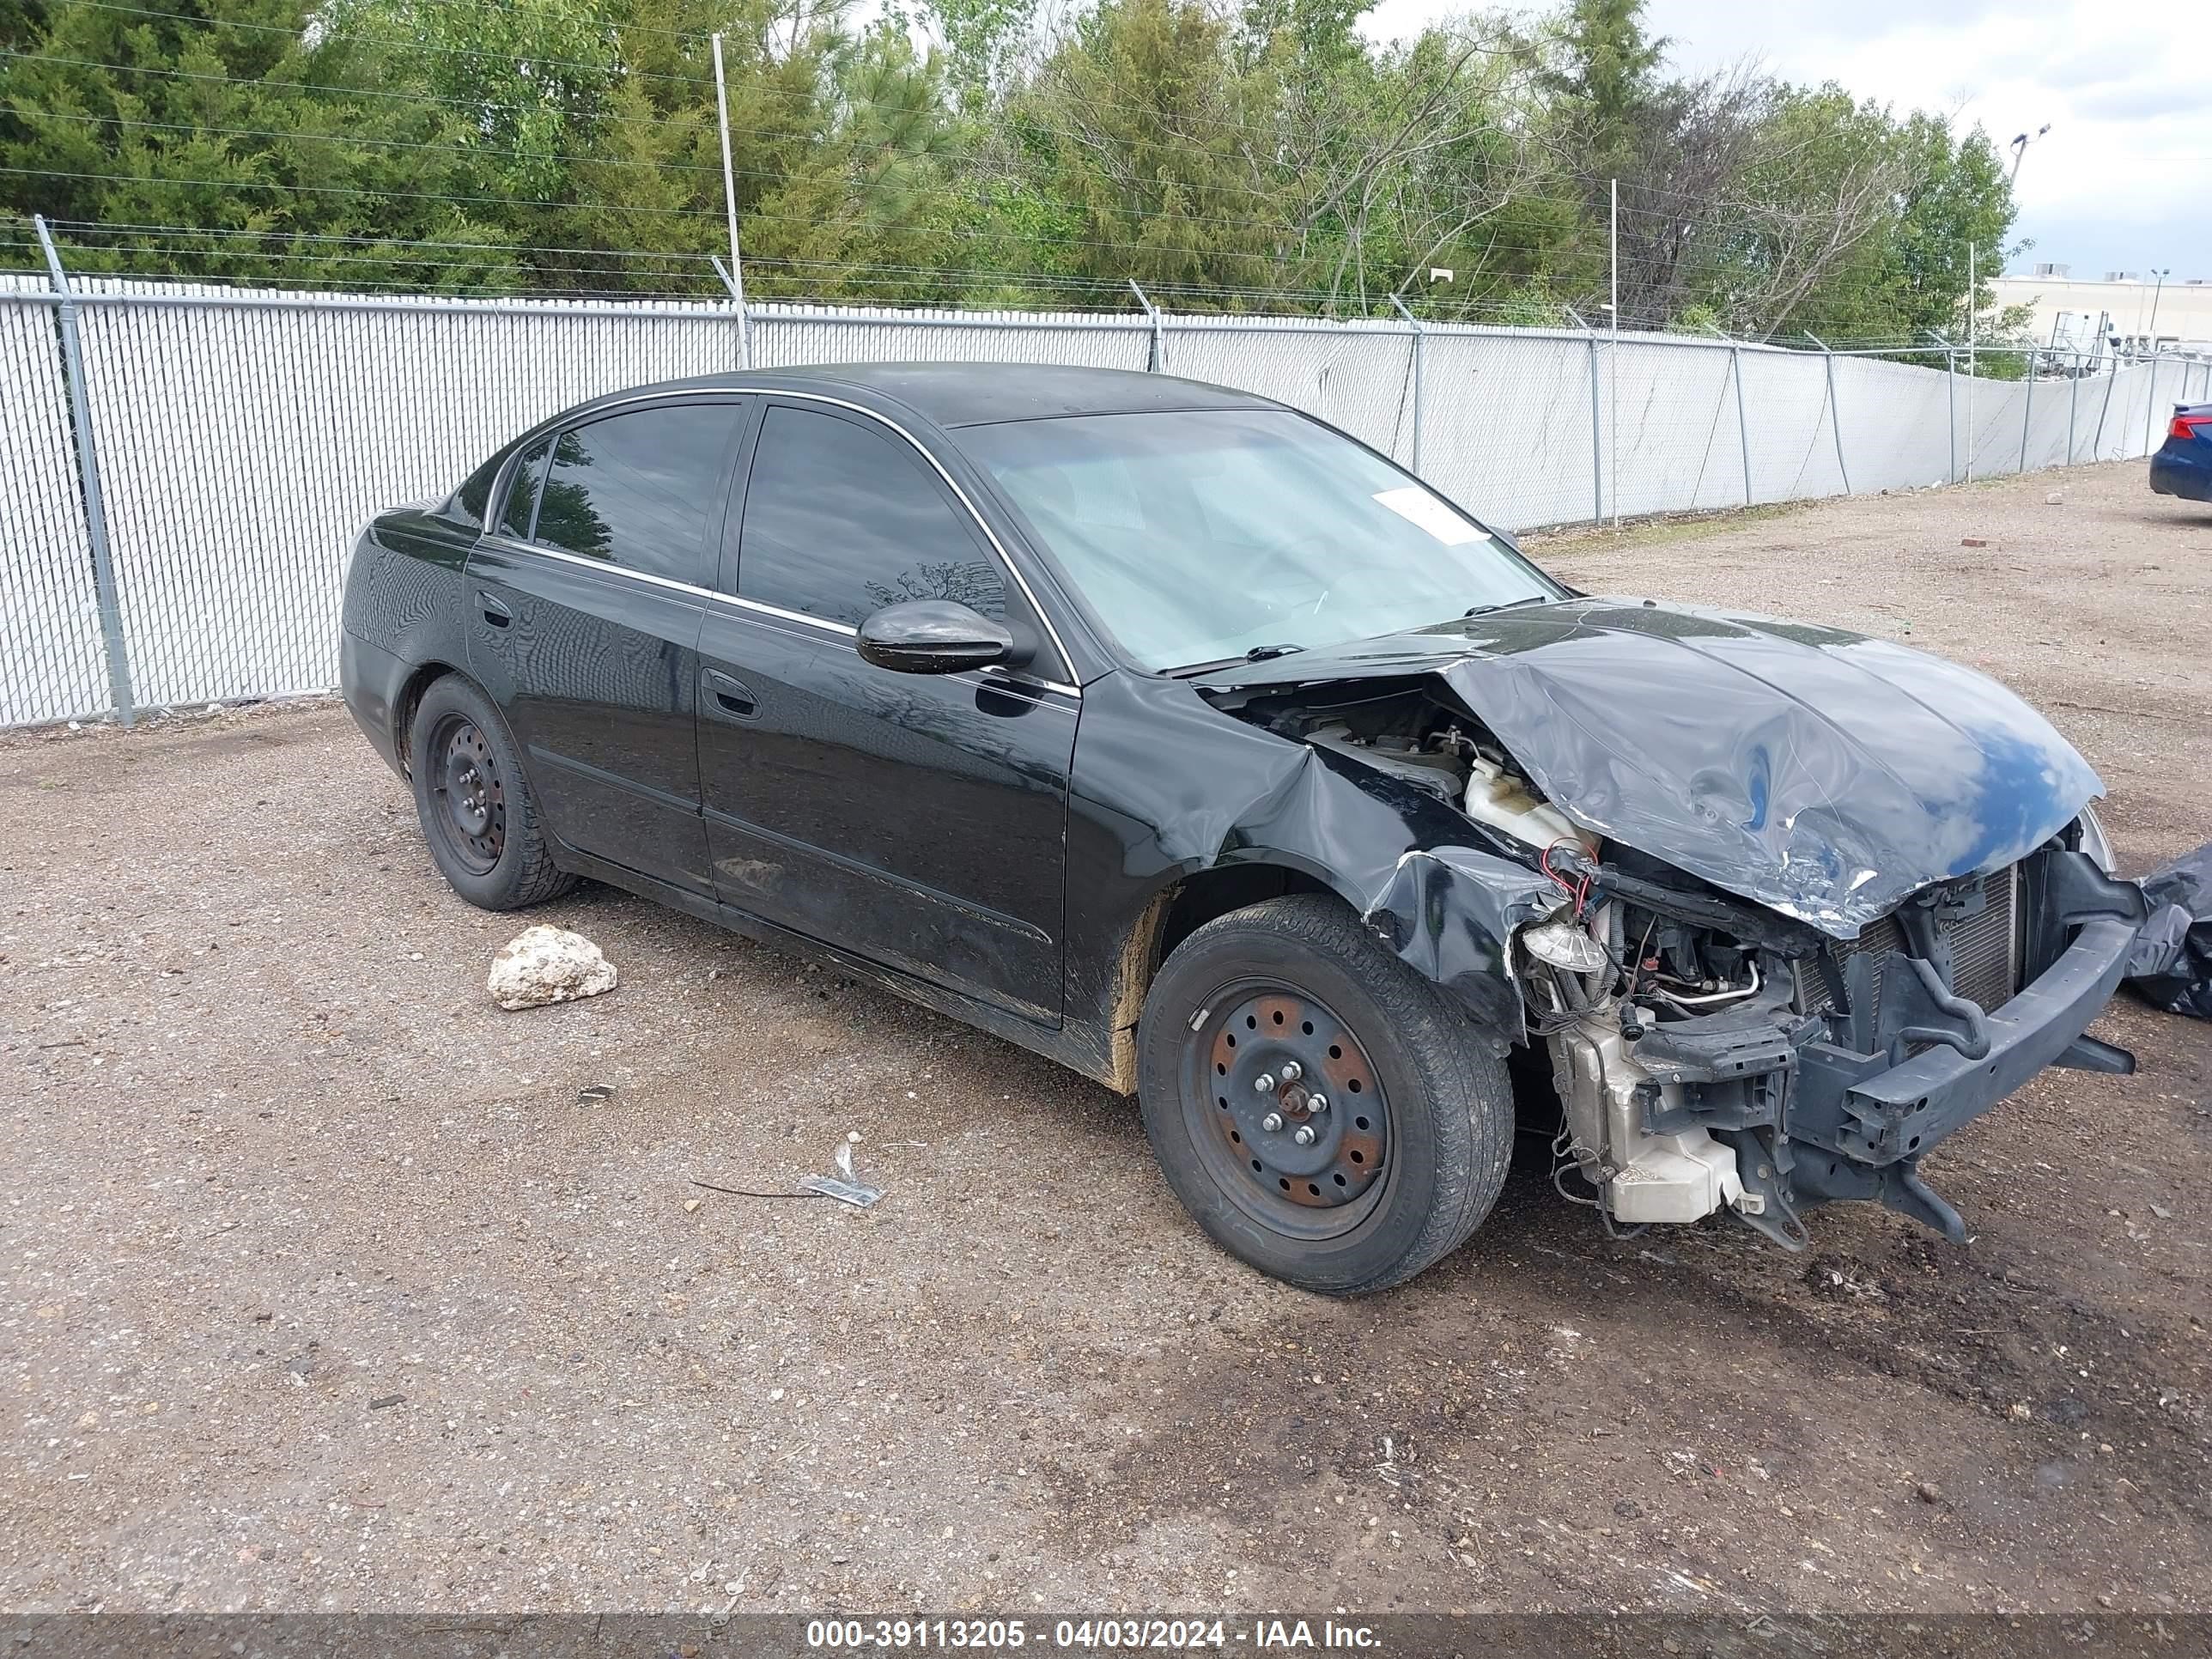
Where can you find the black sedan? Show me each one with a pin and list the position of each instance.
(1177, 736)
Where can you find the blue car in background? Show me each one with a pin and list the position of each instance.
(2183, 465)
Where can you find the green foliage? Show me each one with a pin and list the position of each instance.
(1604, 78)
(1263, 156)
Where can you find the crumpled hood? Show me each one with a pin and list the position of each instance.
(1821, 773)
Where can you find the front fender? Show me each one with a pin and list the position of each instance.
(1184, 788)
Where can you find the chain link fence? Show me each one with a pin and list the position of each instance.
(238, 439)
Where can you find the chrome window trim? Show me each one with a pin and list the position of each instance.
(703, 394)
(506, 544)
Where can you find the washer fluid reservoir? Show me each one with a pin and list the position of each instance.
(1496, 797)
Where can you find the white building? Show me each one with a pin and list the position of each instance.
(2072, 311)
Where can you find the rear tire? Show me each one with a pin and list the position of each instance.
(1407, 1151)
(477, 809)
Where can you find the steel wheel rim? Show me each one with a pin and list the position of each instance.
(468, 796)
(1260, 1050)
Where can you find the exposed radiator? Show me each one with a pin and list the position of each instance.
(1984, 949)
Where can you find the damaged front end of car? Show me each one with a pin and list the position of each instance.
(1815, 901)
(1707, 1057)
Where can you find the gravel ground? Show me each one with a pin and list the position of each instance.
(324, 1289)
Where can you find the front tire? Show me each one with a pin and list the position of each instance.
(1256, 1015)
(477, 809)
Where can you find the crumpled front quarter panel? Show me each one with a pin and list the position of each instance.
(1165, 786)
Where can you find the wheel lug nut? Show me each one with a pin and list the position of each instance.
(1317, 1104)
(1305, 1136)
(1272, 1122)
(1264, 1084)
(1293, 1071)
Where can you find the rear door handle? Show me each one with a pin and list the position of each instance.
(494, 613)
(728, 697)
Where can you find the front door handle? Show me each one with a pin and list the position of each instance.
(495, 612)
(727, 696)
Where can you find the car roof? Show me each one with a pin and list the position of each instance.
(975, 394)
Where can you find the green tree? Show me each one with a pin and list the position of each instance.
(257, 148)
(1603, 78)
(1265, 156)
(1141, 125)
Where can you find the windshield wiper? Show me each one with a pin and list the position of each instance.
(1257, 654)
(1510, 605)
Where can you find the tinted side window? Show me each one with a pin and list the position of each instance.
(841, 520)
(522, 492)
(637, 490)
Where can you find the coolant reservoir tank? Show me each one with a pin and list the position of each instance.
(1497, 798)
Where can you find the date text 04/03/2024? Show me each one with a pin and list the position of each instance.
(1102, 1635)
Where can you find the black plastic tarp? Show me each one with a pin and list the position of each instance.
(2172, 966)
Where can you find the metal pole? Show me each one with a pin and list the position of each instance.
(1612, 359)
(1972, 369)
(1597, 439)
(2073, 405)
(2026, 411)
(737, 271)
(1157, 363)
(2150, 406)
(1835, 413)
(95, 509)
(1742, 428)
(1420, 344)
(1951, 392)
(1951, 425)
(2097, 446)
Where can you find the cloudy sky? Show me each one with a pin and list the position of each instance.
(2124, 179)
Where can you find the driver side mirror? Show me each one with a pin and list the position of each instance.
(936, 636)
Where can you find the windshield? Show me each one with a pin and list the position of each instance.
(1202, 535)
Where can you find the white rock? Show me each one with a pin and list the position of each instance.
(2054, 498)
(544, 964)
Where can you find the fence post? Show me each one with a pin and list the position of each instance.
(1420, 343)
(2097, 445)
(2073, 402)
(1951, 424)
(1742, 427)
(2027, 408)
(1157, 363)
(2150, 405)
(1835, 414)
(736, 285)
(1597, 439)
(95, 509)
(1951, 395)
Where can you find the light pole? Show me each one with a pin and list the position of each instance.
(737, 276)
(2019, 148)
(2150, 334)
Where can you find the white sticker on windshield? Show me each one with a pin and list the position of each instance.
(1417, 506)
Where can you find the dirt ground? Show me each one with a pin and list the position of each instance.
(326, 1287)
